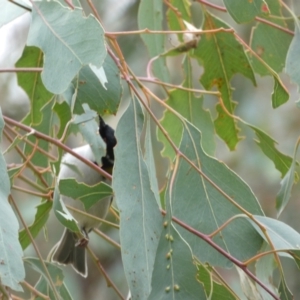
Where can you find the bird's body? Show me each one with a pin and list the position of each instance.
(71, 249)
(85, 174)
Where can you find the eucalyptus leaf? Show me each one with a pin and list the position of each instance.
(68, 41)
(12, 270)
(140, 218)
(204, 206)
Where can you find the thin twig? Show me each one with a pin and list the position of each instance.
(34, 291)
(57, 143)
(237, 262)
(29, 163)
(20, 5)
(20, 70)
(109, 282)
(92, 216)
(107, 238)
(39, 149)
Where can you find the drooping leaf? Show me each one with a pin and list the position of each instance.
(222, 56)
(40, 219)
(88, 195)
(11, 266)
(150, 15)
(68, 41)
(205, 208)
(281, 161)
(244, 11)
(174, 274)
(140, 218)
(32, 57)
(284, 193)
(280, 93)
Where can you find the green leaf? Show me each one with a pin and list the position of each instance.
(174, 274)
(40, 219)
(11, 265)
(204, 207)
(46, 127)
(263, 41)
(88, 195)
(287, 182)
(226, 127)
(87, 88)
(150, 16)
(280, 94)
(140, 218)
(222, 56)
(31, 82)
(190, 107)
(284, 291)
(292, 67)
(281, 161)
(244, 11)
(212, 288)
(64, 114)
(68, 41)
(56, 275)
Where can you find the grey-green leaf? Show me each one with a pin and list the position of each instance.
(88, 89)
(88, 195)
(11, 264)
(292, 59)
(69, 41)
(150, 16)
(174, 274)
(204, 207)
(282, 236)
(140, 218)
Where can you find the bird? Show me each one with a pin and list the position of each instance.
(71, 249)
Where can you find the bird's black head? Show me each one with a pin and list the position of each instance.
(108, 136)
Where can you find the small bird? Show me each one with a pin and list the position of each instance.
(70, 249)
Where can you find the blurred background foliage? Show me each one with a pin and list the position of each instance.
(254, 105)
